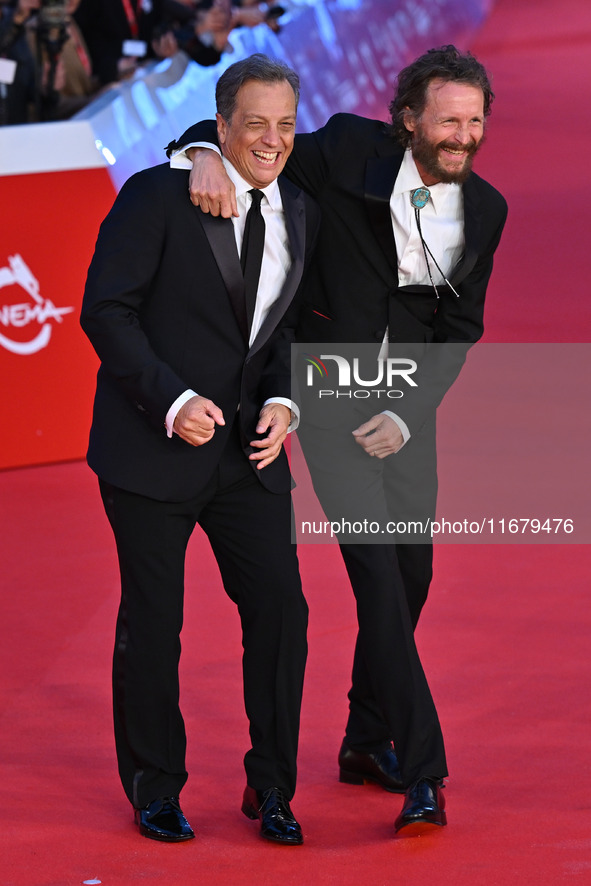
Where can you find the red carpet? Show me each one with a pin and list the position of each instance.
(504, 638)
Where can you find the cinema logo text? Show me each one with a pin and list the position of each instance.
(40, 312)
(384, 374)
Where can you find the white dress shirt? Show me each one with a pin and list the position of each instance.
(274, 268)
(442, 223)
(276, 256)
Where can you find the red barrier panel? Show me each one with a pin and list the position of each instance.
(54, 192)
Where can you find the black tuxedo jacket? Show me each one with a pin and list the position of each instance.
(350, 166)
(162, 309)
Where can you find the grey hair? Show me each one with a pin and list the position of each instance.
(256, 67)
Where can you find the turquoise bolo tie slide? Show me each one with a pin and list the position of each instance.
(419, 197)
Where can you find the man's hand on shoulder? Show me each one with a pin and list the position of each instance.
(210, 186)
(380, 436)
(274, 420)
(196, 420)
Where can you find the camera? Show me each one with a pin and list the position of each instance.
(53, 13)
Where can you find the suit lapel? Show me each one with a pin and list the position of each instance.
(380, 175)
(472, 231)
(220, 234)
(295, 223)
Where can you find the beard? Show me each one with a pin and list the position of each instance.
(427, 154)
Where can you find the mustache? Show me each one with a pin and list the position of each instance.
(469, 148)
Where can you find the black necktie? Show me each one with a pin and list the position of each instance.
(251, 254)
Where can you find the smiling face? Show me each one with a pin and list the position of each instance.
(448, 133)
(259, 137)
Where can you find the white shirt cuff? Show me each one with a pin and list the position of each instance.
(172, 412)
(295, 412)
(401, 424)
(179, 159)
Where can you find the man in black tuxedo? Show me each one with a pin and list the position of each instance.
(385, 274)
(192, 406)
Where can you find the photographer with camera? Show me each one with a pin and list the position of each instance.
(65, 83)
(201, 28)
(198, 29)
(118, 34)
(51, 68)
(17, 64)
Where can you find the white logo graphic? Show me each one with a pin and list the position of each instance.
(40, 311)
(387, 369)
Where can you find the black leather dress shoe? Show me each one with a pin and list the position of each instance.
(381, 767)
(274, 814)
(163, 819)
(423, 808)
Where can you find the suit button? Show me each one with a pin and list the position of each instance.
(379, 334)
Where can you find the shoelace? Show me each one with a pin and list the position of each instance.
(279, 795)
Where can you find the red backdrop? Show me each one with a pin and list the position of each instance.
(50, 221)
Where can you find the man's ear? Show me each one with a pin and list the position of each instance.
(222, 128)
(409, 120)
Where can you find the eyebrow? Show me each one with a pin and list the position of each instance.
(254, 116)
(455, 117)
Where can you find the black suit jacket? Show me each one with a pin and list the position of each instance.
(160, 308)
(350, 166)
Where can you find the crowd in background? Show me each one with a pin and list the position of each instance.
(57, 55)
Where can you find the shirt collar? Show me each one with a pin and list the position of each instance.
(408, 180)
(271, 192)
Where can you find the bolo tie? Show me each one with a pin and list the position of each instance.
(418, 199)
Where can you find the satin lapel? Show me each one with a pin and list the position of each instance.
(472, 232)
(380, 175)
(295, 223)
(220, 234)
